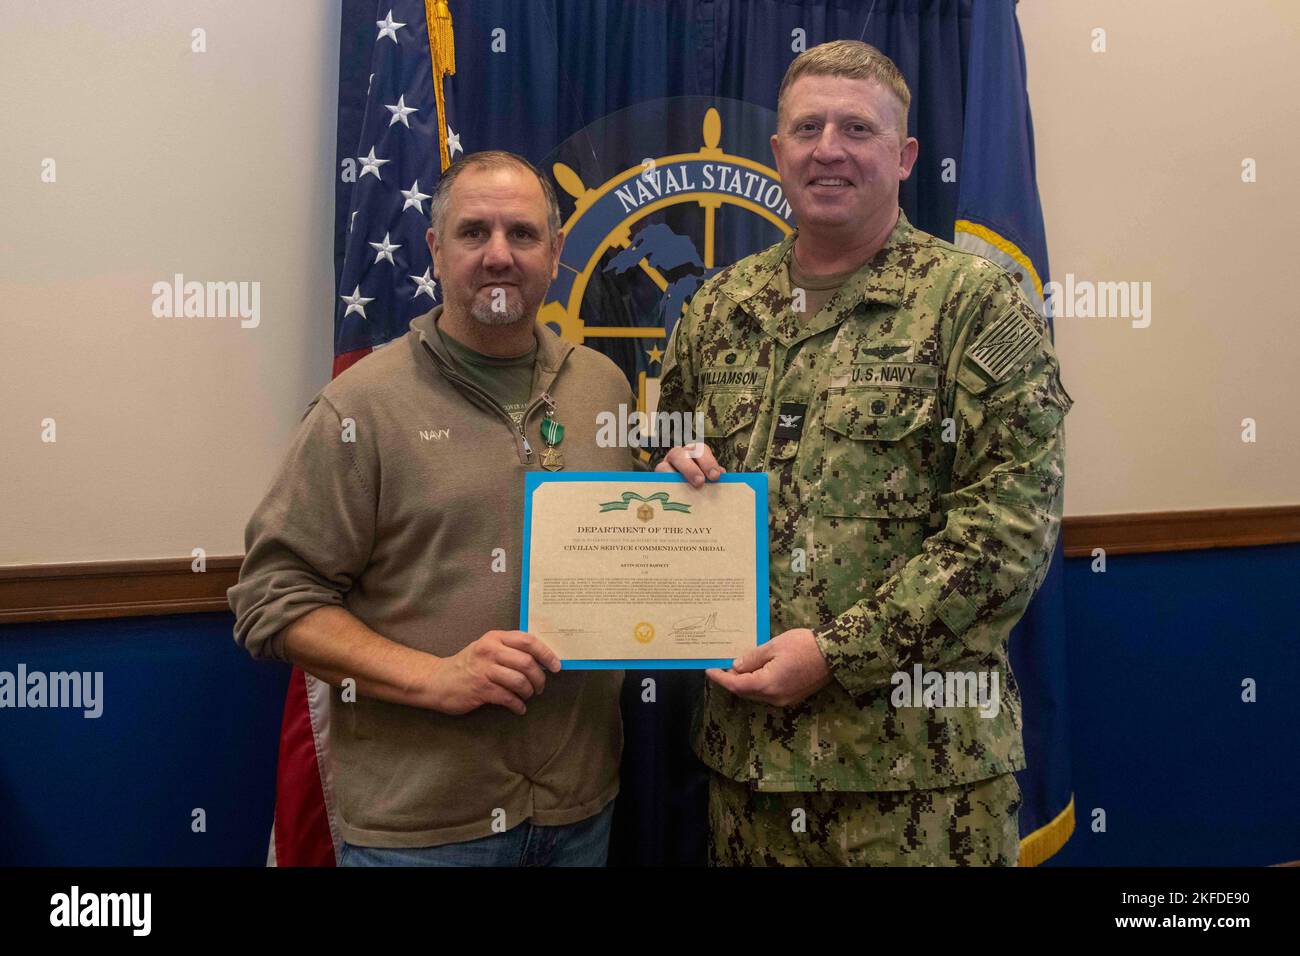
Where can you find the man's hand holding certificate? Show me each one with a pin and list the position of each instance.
(782, 671)
(643, 570)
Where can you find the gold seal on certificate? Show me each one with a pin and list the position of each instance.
(628, 569)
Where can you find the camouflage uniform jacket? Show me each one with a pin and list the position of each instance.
(913, 508)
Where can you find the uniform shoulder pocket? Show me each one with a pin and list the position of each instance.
(1033, 406)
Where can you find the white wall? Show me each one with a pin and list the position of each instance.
(1139, 167)
(216, 165)
(219, 165)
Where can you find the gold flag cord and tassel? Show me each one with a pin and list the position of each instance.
(442, 51)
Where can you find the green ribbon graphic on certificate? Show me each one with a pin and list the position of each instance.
(630, 496)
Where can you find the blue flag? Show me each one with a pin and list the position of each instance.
(999, 217)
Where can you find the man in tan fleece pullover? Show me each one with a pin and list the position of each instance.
(388, 551)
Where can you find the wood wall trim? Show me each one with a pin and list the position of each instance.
(102, 589)
(1155, 531)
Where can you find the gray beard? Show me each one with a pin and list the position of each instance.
(485, 315)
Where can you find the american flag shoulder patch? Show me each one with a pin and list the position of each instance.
(1004, 344)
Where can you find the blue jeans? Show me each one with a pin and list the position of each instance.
(585, 843)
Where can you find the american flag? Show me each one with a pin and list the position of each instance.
(387, 274)
(385, 281)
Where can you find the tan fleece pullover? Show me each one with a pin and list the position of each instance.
(400, 526)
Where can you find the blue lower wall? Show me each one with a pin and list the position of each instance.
(1159, 645)
(189, 721)
(1186, 772)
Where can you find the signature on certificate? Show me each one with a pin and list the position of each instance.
(702, 624)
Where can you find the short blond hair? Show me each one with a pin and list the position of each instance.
(852, 59)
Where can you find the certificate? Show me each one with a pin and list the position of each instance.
(640, 570)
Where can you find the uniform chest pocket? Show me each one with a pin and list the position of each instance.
(729, 424)
(881, 450)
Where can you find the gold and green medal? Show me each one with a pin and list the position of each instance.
(552, 434)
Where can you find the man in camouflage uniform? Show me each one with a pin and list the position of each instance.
(906, 403)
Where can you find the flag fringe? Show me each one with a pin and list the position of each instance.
(1005, 245)
(1043, 843)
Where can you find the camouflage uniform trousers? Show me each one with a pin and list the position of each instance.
(973, 824)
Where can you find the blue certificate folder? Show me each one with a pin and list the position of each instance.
(535, 479)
